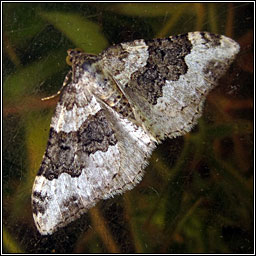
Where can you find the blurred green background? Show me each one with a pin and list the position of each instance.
(197, 194)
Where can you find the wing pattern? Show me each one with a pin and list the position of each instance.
(115, 109)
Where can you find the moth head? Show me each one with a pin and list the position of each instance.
(77, 57)
(73, 54)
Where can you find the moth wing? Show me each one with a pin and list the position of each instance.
(167, 80)
(93, 153)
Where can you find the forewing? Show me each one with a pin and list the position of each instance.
(93, 153)
(167, 80)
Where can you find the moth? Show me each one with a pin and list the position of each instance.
(114, 109)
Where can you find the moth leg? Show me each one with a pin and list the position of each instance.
(66, 81)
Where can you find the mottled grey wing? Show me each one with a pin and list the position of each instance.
(167, 80)
(92, 153)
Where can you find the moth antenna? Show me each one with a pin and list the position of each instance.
(66, 80)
